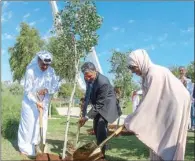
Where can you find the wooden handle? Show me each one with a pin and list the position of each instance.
(119, 130)
(113, 134)
(41, 117)
(40, 111)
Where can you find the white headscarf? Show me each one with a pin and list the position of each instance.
(43, 54)
(50, 78)
(140, 58)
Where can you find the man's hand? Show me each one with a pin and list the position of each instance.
(39, 105)
(82, 121)
(43, 92)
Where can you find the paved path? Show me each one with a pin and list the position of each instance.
(74, 112)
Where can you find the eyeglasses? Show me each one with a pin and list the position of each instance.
(47, 60)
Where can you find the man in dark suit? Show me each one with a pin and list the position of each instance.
(101, 95)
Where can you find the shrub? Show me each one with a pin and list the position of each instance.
(11, 106)
(16, 89)
(54, 110)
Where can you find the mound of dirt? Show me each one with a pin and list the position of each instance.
(52, 157)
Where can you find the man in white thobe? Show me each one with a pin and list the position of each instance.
(40, 81)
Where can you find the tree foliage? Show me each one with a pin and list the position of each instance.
(27, 44)
(123, 77)
(190, 70)
(175, 70)
(16, 89)
(66, 90)
(63, 61)
(79, 23)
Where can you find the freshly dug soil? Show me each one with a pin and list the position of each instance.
(111, 129)
(70, 150)
(52, 157)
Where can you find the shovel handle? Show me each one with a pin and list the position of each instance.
(41, 117)
(40, 111)
(113, 134)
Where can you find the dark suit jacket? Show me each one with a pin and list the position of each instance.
(103, 100)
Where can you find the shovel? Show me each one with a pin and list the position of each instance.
(92, 152)
(40, 148)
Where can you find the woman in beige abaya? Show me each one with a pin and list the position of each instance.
(161, 119)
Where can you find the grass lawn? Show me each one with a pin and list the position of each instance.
(120, 148)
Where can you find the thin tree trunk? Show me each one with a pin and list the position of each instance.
(77, 60)
(68, 117)
(78, 129)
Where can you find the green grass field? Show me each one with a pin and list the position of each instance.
(120, 148)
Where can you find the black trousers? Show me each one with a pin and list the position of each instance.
(100, 126)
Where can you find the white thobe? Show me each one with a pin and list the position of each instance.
(135, 101)
(28, 132)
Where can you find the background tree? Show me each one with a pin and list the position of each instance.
(16, 89)
(175, 70)
(63, 61)
(190, 70)
(123, 77)
(79, 23)
(66, 90)
(27, 44)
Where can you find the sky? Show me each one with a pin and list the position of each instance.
(164, 29)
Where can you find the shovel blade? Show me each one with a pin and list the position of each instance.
(78, 145)
(84, 151)
(95, 155)
(95, 152)
(42, 147)
(39, 149)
